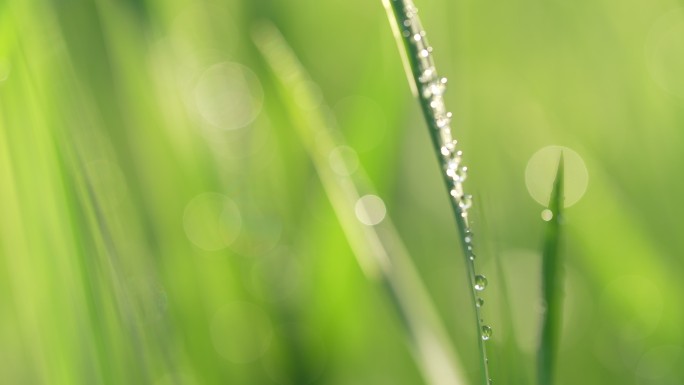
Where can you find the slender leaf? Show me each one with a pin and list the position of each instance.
(552, 283)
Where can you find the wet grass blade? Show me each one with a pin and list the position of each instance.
(552, 284)
(429, 88)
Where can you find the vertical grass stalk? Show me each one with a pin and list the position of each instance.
(429, 88)
(552, 283)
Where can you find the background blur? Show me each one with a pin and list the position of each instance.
(162, 223)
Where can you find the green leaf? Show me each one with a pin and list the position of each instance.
(552, 284)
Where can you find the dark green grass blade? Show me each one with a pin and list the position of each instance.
(552, 284)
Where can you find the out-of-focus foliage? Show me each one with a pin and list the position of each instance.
(161, 222)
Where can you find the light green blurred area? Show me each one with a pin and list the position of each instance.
(162, 223)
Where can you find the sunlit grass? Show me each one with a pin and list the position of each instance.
(117, 119)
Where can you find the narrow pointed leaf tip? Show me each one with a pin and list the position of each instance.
(552, 284)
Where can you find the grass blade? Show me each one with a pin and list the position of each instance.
(552, 283)
(377, 247)
(429, 88)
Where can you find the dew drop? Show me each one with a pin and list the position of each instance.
(424, 53)
(427, 75)
(445, 135)
(459, 175)
(448, 148)
(466, 202)
(436, 88)
(407, 33)
(417, 37)
(452, 166)
(444, 121)
(438, 107)
(457, 191)
(480, 282)
(486, 332)
(479, 302)
(547, 215)
(411, 10)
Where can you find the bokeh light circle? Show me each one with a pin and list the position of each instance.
(343, 160)
(212, 221)
(228, 96)
(540, 174)
(370, 210)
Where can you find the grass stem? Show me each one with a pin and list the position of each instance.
(552, 283)
(429, 88)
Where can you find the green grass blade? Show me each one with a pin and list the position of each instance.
(378, 248)
(552, 284)
(429, 88)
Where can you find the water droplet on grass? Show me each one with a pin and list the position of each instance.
(486, 332)
(480, 282)
(466, 202)
(427, 75)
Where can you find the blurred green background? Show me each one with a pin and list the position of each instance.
(162, 223)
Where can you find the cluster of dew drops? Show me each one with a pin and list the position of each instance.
(432, 88)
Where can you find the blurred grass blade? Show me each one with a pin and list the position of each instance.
(377, 247)
(552, 284)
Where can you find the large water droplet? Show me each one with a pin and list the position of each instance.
(480, 282)
(486, 332)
